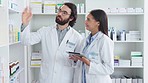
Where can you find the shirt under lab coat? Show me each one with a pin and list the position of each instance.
(101, 56)
(56, 67)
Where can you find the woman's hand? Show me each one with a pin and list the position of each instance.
(83, 59)
(73, 58)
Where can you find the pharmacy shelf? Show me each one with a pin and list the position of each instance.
(128, 67)
(125, 13)
(17, 73)
(2, 45)
(15, 43)
(128, 41)
(34, 66)
(53, 14)
(13, 10)
(114, 67)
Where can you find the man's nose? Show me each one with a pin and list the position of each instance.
(60, 13)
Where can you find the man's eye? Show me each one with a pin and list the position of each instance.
(64, 12)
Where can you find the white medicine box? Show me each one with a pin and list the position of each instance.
(36, 6)
(50, 7)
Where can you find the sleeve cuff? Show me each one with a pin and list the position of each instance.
(23, 27)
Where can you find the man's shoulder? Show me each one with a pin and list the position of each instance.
(47, 28)
(76, 34)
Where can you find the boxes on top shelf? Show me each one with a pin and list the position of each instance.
(139, 10)
(49, 7)
(130, 10)
(122, 10)
(36, 6)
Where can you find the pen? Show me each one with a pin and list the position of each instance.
(67, 41)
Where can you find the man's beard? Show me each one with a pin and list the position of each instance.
(61, 22)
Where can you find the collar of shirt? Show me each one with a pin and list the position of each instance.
(66, 29)
(91, 38)
(62, 33)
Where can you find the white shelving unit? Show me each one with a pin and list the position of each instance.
(15, 43)
(12, 51)
(125, 14)
(128, 22)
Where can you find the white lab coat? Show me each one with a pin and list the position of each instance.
(100, 53)
(56, 67)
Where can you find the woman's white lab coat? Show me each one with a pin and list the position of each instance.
(56, 67)
(100, 53)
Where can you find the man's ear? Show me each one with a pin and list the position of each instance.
(98, 23)
(71, 18)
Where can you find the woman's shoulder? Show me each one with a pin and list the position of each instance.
(106, 38)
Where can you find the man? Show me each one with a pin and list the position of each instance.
(56, 41)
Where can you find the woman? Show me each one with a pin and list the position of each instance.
(97, 64)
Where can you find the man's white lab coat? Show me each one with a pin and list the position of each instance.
(56, 67)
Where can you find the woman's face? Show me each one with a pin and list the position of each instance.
(91, 24)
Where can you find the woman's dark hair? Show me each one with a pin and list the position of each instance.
(73, 13)
(100, 16)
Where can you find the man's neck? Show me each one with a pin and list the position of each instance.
(62, 27)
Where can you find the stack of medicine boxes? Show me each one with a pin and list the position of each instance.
(136, 59)
(36, 59)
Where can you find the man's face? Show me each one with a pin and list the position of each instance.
(63, 15)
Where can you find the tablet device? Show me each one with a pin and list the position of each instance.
(77, 54)
(74, 53)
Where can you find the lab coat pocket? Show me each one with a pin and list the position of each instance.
(94, 56)
(66, 60)
(91, 78)
(67, 74)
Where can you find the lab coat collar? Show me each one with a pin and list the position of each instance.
(100, 35)
(66, 37)
(67, 28)
(96, 36)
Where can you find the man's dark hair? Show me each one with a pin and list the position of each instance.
(73, 13)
